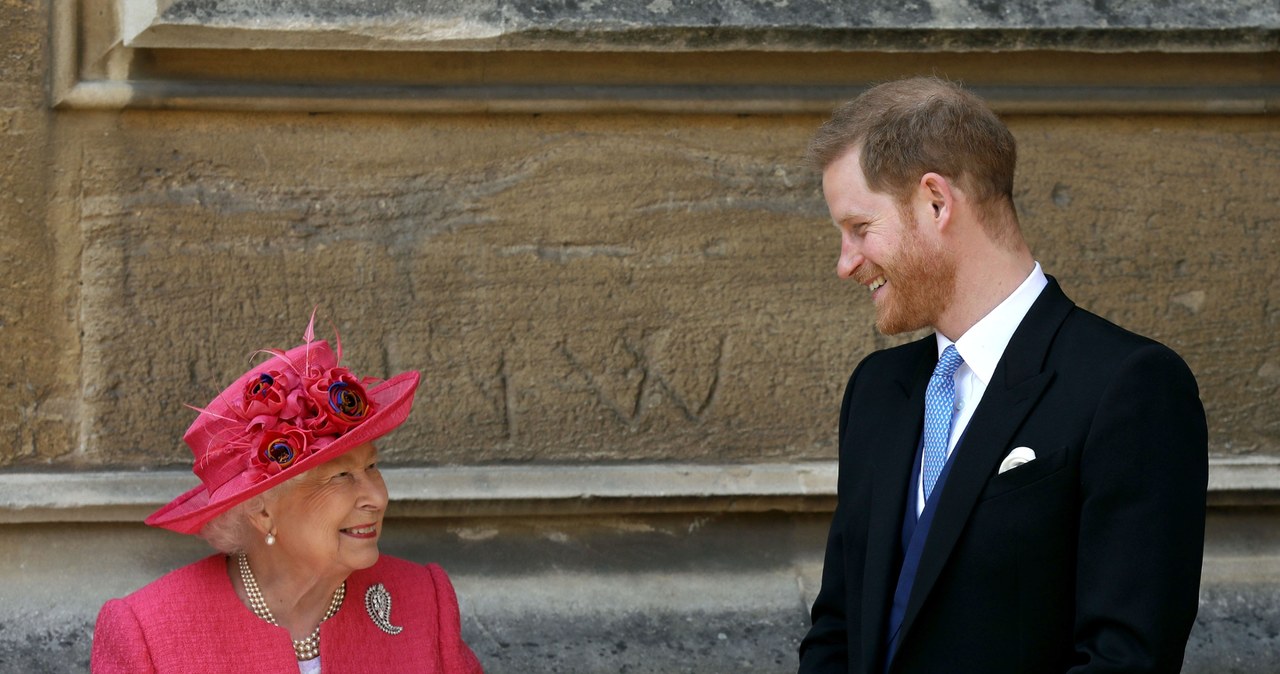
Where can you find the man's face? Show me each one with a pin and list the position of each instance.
(886, 247)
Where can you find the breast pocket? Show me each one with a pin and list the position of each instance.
(1044, 465)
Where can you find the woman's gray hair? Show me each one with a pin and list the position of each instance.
(230, 532)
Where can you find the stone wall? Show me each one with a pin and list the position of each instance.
(586, 281)
(582, 289)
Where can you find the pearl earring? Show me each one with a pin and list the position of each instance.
(271, 539)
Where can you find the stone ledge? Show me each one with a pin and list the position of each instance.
(540, 490)
(1246, 481)
(668, 99)
(460, 490)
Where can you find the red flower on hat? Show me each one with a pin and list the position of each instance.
(280, 449)
(267, 396)
(342, 402)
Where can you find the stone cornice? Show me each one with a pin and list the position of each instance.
(659, 56)
(731, 25)
(516, 491)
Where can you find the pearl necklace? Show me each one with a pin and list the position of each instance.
(303, 649)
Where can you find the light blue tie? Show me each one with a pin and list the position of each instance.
(939, 404)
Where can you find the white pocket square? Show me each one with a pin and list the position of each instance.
(1017, 457)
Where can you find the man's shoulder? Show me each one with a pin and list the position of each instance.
(1087, 336)
(896, 358)
(896, 363)
(1075, 335)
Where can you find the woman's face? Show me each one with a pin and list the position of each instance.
(329, 520)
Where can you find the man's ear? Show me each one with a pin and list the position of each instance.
(937, 193)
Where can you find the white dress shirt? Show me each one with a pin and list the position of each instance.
(981, 347)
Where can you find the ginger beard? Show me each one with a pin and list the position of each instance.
(922, 281)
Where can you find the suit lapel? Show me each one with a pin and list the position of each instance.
(892, 455)
(1016, 386)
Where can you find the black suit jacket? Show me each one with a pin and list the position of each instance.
(1085, 560)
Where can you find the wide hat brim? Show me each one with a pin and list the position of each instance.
(187, 514)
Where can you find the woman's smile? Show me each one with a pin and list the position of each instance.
(362, 531)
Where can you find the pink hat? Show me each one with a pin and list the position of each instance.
(284, 417)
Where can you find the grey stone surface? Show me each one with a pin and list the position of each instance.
(660, 594)
(1237, 630)
(34, 644)
(944, 25)
(643, 643)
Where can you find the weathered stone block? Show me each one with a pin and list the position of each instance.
(572, 290)
(1152, 222)
(608, 288)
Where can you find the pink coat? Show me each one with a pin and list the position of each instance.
(192, 621)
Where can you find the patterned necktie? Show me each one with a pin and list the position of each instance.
(939, 404)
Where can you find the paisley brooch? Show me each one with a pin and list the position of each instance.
(377, 601)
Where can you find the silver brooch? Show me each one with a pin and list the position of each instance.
(377, 601)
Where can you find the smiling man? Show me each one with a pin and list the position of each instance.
(1023, 490)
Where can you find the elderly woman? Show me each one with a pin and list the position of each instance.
(292, 497)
